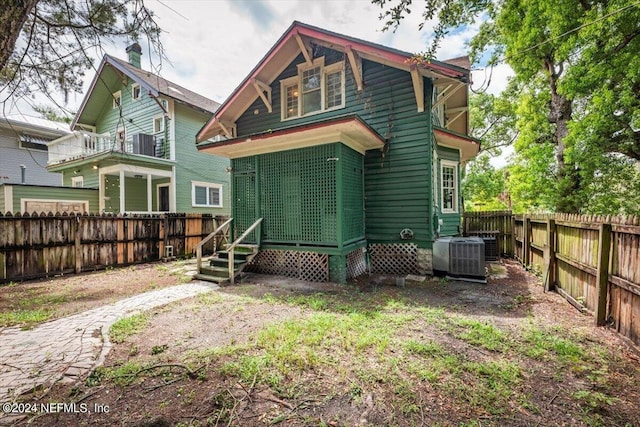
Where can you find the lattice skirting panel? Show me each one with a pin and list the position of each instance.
(396, 258)
(356, 263)
(309, 266)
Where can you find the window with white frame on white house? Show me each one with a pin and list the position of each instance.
(206, 194)
(449, 185)
(316, 88)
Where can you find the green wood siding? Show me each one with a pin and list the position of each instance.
(192, 165)
(451, 222)
(137, 116)
(88, 174)
(398, 179)
(54, 193)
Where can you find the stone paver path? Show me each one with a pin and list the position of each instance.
(67, 349)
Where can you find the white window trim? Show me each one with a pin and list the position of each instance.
(208, 185)
(77, 179)
(116, 95)
(324, 70)
(153, 124)
(456, 186)
(283, 95)
(133, 87)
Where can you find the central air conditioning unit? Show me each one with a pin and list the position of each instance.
(460, 257)
(144, 144)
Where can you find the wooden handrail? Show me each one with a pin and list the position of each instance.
(244, 235)
(199, 246)
(231, 248)
(213, 233)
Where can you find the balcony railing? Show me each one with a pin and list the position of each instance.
(80, 144)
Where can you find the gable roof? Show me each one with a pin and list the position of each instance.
(294, 41)
(153, 83)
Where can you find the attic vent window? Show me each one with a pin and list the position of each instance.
(315, 89)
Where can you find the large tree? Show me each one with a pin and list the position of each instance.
(46, 45)
(577, 59)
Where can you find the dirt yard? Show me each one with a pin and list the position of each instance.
(274, 351)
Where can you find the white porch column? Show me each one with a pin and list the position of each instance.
(122, 192)
(149, 193)
(172, 191)
(100, 192)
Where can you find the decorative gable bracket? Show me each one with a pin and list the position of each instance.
(264, 91)
(229, 129)
(356, 66)
(305, 48)
(447, 93)
(418, 87)
(454, 114)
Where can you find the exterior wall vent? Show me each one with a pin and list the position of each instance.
(459, 256)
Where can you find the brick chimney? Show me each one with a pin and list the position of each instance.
(135, 52)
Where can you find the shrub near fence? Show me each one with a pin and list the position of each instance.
(593, 261)
(34, 246)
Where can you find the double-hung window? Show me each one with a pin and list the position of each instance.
(206, 194)
(449, 186)
(314, 89)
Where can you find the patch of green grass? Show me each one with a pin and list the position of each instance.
(541, 343)
(123, 375)
(481, 334)
(427, 349)
(128, 326)
(26, 318)
(209, 298)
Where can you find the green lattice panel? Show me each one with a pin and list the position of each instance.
(298, 195)
(353, 198)
(244, 210)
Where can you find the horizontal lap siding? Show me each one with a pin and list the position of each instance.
(12, 156)
(54, 193)
(398, 183)
(192, 165)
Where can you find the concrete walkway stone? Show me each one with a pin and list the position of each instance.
(68, 349)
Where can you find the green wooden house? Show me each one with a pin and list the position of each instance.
(349, 151)
(133, 140)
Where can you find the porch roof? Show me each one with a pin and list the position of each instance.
(468, 146)
(350, 130)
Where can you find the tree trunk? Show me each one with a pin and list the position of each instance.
(560, 113)
(13, 15)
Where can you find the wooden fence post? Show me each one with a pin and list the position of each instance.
(602, 278)
(513, 236)
(78, 243)
(550, 257)
(526, 244)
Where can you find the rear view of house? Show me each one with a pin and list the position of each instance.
(349, 151)
(133, 141)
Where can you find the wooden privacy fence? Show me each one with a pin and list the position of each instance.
(593, 261)
(498, 224)
(34, 246)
